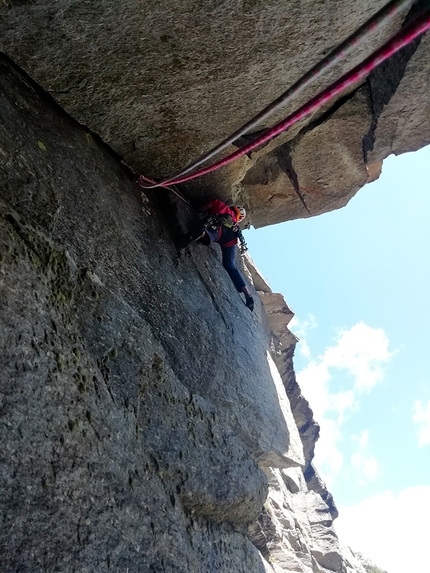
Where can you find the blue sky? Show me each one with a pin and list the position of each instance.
(358, 280)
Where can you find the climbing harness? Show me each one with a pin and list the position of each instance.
(214, 221)
(404, 37)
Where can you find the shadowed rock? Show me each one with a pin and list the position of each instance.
(161, 83)
(138, 391)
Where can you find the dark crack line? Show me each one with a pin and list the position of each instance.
(384, 81)
(285, 163)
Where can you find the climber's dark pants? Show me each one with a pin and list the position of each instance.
(228, 260)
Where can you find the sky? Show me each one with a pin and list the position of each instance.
(358, 281)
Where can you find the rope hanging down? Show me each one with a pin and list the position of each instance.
(418, 27)
(378, 20)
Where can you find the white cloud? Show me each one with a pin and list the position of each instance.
(301, 328)
(367, 467)
(328, 457)
(361, 351)
(359, 354)
(390, 529)
(304, 349)
(362, 439)
(421, 417)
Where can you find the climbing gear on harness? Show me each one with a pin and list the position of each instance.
(418, 27)
(213, 222)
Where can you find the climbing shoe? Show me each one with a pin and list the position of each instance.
(250, 303)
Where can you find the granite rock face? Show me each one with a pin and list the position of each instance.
(150, 422)
(139, 400)
(295, 530)
(162, 82)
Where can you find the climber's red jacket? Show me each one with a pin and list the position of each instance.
(217, 207)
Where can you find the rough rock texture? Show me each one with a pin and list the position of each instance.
(295, 533)
(162, 82)
(283, 345)
(137, 390)
(295, 530)
(144, 409)
(403, 124)
(146, 414)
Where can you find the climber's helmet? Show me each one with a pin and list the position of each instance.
(240, 213)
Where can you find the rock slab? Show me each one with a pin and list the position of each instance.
(137, 398)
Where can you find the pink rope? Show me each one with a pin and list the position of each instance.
(400, 40)
(378, 20)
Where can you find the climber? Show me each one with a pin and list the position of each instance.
(221, 226)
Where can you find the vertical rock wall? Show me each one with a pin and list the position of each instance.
(295, 530)
(140, 399)
(137, 393)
